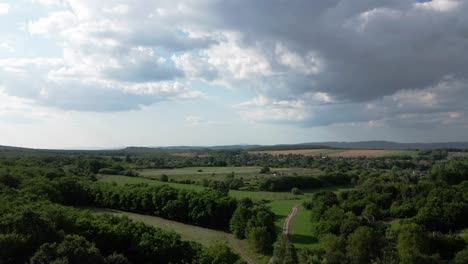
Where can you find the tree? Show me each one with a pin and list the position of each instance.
(240, 217)
(461, 257)
(164, 178)
(218, 254)
(371, 211)
(9, 180)
(349, 223)
(362, 245)
(11, 248)
(260, 239)
(296, 191)
(410, 243)
(284, 251)
(445, 209)
(265, 169)
(334, 249)
(453, 171)
(261, 230)
(116, 259)
(73, 249)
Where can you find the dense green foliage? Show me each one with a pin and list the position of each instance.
(286, 183)
(401, 209)
(393, 218)
(256, 222)
(37, 226)
(284, 251)
(44, 232)
(208, 208)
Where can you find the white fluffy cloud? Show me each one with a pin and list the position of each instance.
(4, 8)
(310, 62)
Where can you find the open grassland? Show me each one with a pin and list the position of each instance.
(373, 153)
(279, 202)
(281, 208)
(122, 180)
(306, 152)
(204, 236)
(250, 175)
(342, 153)
(255, 195)
(300, 227)
(270, 196)
(247, 173)
(301, 232)
(458, 154)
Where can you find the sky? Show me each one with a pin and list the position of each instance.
(102, 74)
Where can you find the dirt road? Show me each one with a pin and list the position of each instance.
(287, 224)
(290, 219)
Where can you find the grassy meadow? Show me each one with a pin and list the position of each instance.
(205, 236)
(279, 202)
(249, 174)
(254, 195)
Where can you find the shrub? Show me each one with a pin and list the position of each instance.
(296, 191)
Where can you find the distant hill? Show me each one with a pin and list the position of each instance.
(291, 147)
(395, 145)
(367, 145)
(8, 150)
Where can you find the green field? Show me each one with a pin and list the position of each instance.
(122, 180)
(250, 175)
(338, 153)
(300, 227)
(301, 230)
(270, 196)
(281, 208)
(204, 236)
(280, 203)
(410, 153)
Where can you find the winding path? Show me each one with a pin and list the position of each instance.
(287, 224)
(290, 219)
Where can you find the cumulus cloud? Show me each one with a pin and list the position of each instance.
(4, 8)
(6, 46)
(386, 53)
(310, 62)
(83, 90)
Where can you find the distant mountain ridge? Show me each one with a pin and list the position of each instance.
(311, 145)
(395, 145)
(367, 145)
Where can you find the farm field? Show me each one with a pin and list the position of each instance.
(254, 195)
(372, 153)
(250, 175)
(204, 236)
(343, 153)
(458, 154)
(306, 152)
(122, 180)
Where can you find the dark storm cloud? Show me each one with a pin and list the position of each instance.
(369, 48)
